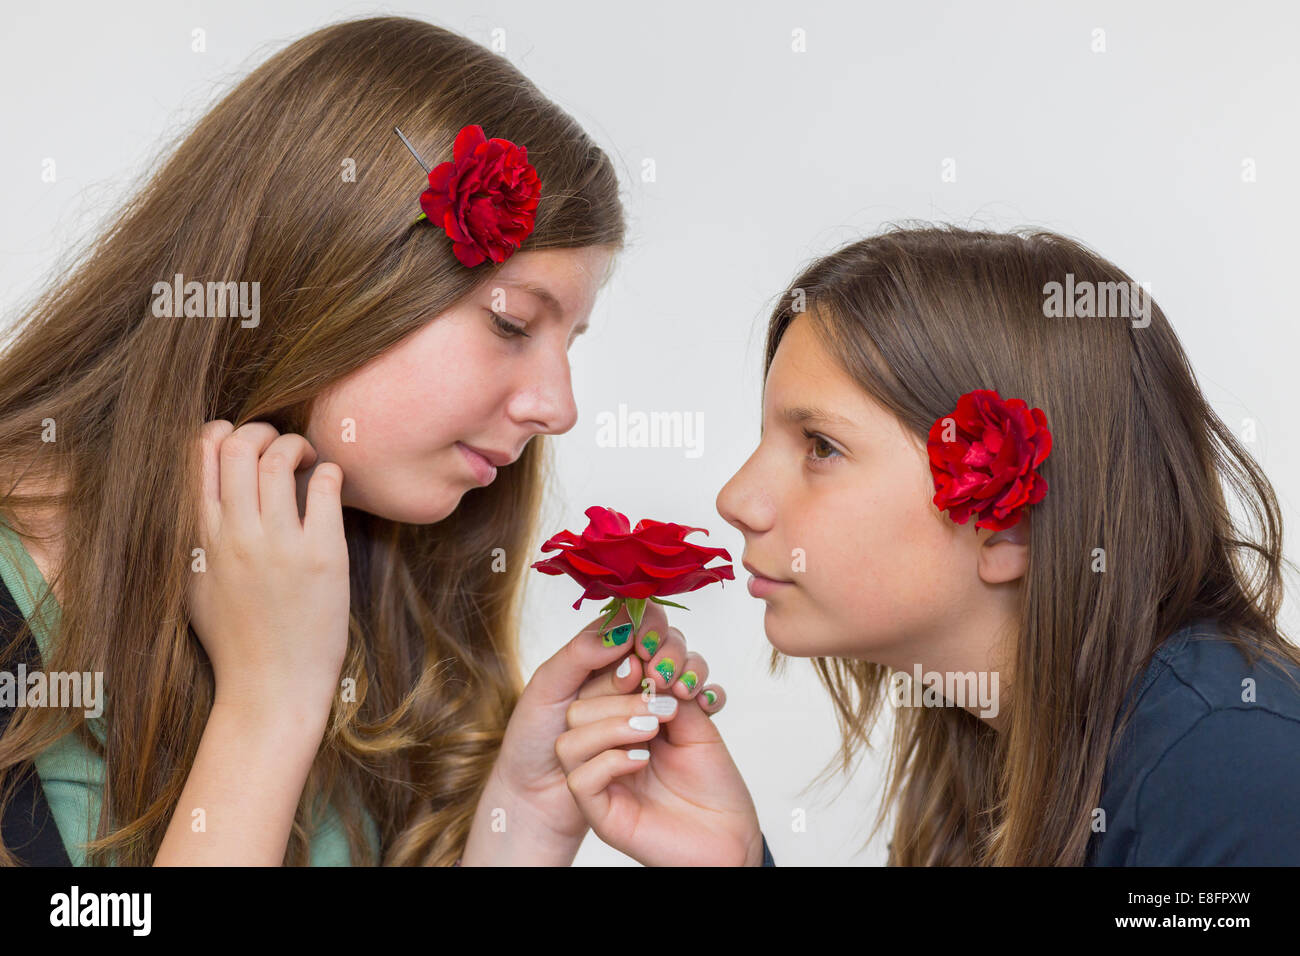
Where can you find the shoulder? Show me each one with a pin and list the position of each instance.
(1199, 670)
(1224, 792)
(1205, 660)
(1206, 772)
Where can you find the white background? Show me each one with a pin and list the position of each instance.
(766, 158)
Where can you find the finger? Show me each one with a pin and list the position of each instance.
(589, 782)
(666, 664)
(575, 747)
(711, 698)
(582, 712)
(650, 635)
(616, 678)
(619, 631)
(211, 435)
(323, 520)
(692, 725)
(695, 671)
(240, 453)
(562, 675)
(276, 484)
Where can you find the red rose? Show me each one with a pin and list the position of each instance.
(484, 197)
(649, 561)
(988, 465)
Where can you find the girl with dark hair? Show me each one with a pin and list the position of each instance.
(1145, 707)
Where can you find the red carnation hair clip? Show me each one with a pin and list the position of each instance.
(984, 457)
(484, 197)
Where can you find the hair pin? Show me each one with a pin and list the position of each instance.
(485, 197)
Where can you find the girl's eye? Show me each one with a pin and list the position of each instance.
(819, 440)
(508, 329)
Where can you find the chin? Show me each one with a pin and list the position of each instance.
(807, 634)
(792, 642)
(427, 510)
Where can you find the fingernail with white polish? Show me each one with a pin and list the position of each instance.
(663, 706)
(625, 668)
(638, 755)
(643, 722)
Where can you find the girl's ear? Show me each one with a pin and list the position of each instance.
(1004, 555)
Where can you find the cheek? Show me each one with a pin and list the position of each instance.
(884, 560)
(873, 571)
(847, 556)
(408, 405)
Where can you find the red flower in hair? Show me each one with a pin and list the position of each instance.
(630, 565)
(485, 197)
(984, 458)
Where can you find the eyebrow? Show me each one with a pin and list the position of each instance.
(799, 414)
(549, 301)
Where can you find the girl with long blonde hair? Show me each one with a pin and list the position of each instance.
(291, 538)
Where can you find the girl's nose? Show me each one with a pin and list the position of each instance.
(744, 504)
(548, 405)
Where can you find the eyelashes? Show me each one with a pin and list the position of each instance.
(508, 330)
(815, 460)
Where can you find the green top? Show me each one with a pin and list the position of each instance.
(71, 774)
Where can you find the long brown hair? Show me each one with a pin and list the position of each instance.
(258, 191)
(918, 316)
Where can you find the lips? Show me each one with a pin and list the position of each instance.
(757, 573)
(499, 459)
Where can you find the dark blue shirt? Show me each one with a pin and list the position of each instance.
(1203, 777)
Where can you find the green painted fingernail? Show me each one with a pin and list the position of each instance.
(651, 641)
(690, 679)
(711, 697)
(617, 635)
(665, 668)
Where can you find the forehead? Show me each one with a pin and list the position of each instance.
(805, 379)
(803, 372)
(564, 280)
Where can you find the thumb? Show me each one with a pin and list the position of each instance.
(690, 725)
